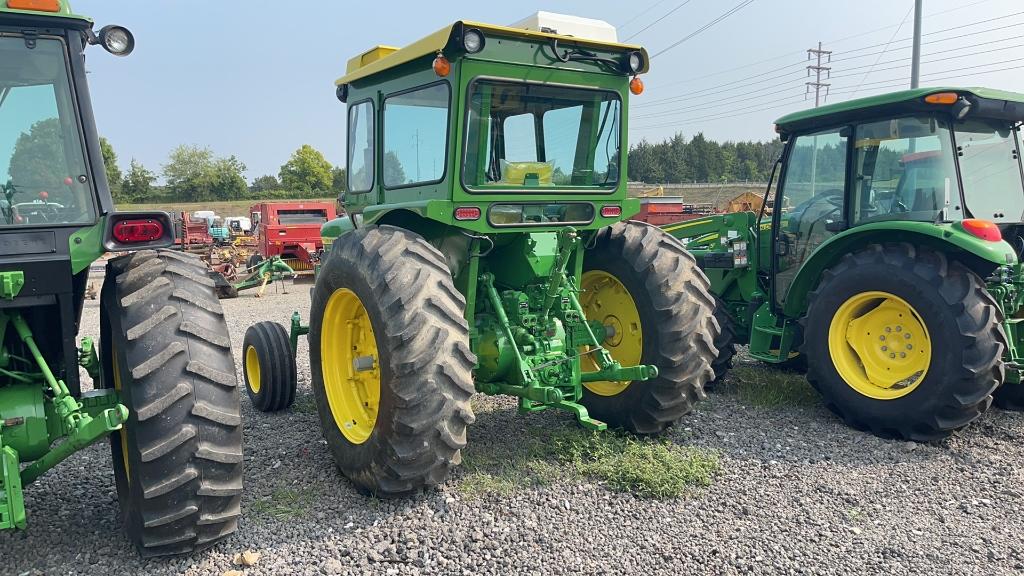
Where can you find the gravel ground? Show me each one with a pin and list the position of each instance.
(798, 493)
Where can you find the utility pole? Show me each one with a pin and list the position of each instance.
(817, 69)
(915, 65)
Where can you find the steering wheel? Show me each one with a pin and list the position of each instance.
(46, 213)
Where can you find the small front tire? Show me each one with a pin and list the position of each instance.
(268, 367)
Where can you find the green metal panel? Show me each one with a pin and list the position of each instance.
(941, 237)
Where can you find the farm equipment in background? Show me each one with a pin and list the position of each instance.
(667, 210)
(893, 269)
(506, 268)
(231, 279)
(165, 391)
(291, 231)
(192, 234)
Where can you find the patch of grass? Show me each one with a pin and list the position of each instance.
(772, 388)
(305, 404)
(284, 503)
(647, 468)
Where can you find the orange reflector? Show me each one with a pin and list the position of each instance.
(983, 229)
(942, 98)
(636, 85)
(467, 213)
(37, 5)
(442, 66)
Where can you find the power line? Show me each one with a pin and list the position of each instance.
(642, 13)
(715, 89)
(880, 54)
(666, 15)
(723, 16)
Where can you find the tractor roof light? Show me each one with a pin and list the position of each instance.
(115, 39)
(34, 5)
(473, 41)
(984, 229)
(634, 62)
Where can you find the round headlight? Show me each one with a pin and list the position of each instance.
(635, 62)
(342, 92)
(117, 40)
(473, 41)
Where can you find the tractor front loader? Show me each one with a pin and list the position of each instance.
(887, 261)
(165, 392)
(485, 249)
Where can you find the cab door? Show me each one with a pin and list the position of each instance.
(810, 206)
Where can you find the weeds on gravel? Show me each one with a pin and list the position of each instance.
(771, 388)
(285, 503)
(643, 467)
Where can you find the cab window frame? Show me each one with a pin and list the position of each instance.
(525, 190)
(447, 135)
(350, 151)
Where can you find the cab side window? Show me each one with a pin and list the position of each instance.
(360, 147)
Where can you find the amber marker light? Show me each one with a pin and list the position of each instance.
(984, 229)
(636, 85)
(942, 98)
(441, 65)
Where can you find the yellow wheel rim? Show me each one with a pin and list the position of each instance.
(605, 299)
(351, 368)
(252, 369)
(122, 432)
(880, 345)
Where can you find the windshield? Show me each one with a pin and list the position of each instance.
(42, 167)
(522, 136)
(990, 169)
(301, 216)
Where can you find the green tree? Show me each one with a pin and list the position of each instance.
(194, 174)
(393, 171)
(339, 180)
(306, 171)
(229, 180)
(265, 184)
(138, 183)
(114, 176)
(38, 160)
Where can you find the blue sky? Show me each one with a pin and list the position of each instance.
(255, 78)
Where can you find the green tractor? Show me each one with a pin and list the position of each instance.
(165, 392)
(486, 250)
(887, 261)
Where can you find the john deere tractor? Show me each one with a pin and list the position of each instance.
(164, 386)
(485, 250)
(887, 260)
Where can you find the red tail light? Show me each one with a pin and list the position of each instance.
(611, 211)
(983, 229)
(137, 231)
(467, 213)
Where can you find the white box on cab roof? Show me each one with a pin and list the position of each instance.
(566, 25)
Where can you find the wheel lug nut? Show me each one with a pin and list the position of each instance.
(884, 348)
(907, 335)
(887, 329)
(910, 346)
(903, 354)
(899, 328)
(893, 355)
(882, 338)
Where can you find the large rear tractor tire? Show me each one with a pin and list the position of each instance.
(643, 283)
(268, 367)
(165, 347)
(903, 342)
(390, 359)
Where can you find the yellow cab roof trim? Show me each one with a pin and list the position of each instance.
(439, 40)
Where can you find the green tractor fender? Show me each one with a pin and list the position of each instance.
(952, 239)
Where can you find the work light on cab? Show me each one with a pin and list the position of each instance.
(473, 41)
(115, 39)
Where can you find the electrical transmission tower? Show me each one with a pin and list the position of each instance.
(817, 69)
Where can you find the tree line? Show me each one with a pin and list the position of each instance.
(196, 174)
(676, 160)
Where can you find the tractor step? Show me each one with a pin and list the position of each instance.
(12, 503)
(770, 342)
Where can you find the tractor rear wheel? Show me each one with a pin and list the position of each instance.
(642, 282)
(725, 343)
(268, 367)
(390, 360)
(165, 347)
(903, 342)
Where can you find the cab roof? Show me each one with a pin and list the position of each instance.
(1009, 104)
(381, 58)
(44, 8)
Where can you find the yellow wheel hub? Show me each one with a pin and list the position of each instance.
(879, 345)
(605, 299)
(351, 365)
(252, 369)
(122, 433)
